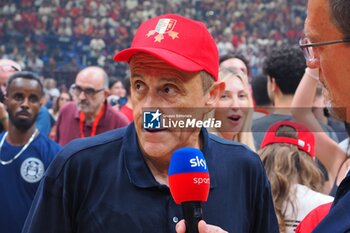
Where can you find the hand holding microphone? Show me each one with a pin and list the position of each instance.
(203, 227)
(189, 184)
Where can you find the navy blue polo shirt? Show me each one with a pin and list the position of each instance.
(102, 184)
(338, 218)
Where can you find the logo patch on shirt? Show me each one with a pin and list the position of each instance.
(164, 26)
(32, 170)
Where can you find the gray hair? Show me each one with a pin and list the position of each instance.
(207, 80)
(340, 10)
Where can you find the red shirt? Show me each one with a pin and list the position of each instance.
(68, 123)
(311, 220)
(127, 112)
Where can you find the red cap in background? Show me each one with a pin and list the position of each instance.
(305, 140)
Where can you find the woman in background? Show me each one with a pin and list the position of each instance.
(288, 154)
(235, 108)
(62, 99)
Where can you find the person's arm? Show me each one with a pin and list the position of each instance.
(327, 151)
(4, 118)
(43, 122)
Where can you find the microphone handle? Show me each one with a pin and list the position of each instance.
(192, 211)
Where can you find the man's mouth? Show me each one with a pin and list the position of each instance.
(23, 114)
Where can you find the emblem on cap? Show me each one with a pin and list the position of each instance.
(164, 26)
(32, 170)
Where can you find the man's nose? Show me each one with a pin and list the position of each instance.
(151, 100)
(82, 95)
(25, 103)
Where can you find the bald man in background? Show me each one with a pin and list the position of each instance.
(90, 114)
(7, 68)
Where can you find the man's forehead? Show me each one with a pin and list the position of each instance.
(318, 22)
(21, 84)
(90, 78)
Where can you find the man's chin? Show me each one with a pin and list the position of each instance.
(154, 150)
(82, 108)
(23, 126)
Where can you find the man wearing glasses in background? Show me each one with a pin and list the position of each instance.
(90, 114)
(326, 48)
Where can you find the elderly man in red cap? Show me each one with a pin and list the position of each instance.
(118, 181)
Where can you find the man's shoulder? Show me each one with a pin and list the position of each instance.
(231, 150)
(221, 142)
(82, 144)
(69, 107)
(45, 140)
(116, 116)
(68, 112)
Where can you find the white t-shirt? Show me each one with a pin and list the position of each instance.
(344, 145)
(306, 200)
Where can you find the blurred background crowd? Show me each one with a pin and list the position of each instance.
(70, 44)
(57, 38)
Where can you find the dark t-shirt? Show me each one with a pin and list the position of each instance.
(20, 179)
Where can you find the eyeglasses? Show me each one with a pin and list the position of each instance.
(307, 46)
(90, 92)
(8, 68)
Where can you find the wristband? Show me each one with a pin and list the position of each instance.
(312, 73)
(4, 118)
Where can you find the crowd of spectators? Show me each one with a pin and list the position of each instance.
(57, 38)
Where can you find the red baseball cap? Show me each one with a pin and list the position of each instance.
(305, 140)
(183, 43)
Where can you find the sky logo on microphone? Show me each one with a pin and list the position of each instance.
(152, 120)
(197, 162)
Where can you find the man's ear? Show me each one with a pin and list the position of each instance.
(273, 84)
(106, 91)
(214, 93)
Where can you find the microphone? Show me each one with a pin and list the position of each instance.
(189, 184)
